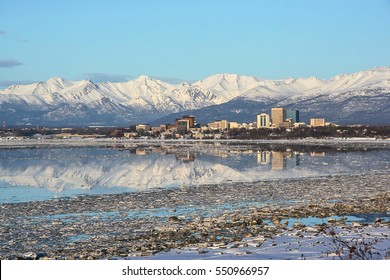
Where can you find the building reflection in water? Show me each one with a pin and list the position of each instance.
(141, 152)
(279, 160)
(284, 160)
(317, 154)
(185, 157)
(263, 157)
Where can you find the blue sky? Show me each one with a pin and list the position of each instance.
(188, 40)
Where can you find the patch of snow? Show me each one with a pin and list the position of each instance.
(290, 245)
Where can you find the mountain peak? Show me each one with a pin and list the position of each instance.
(380, 69)
(225, 76)
(146, 98)
(55, 80)
(143, 78)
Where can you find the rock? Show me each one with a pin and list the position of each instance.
(297, 225)
(311, 229)
(378, 220)
(29, 256)
(356, 224)
(101, 234)
(40, 256)
(173, 219)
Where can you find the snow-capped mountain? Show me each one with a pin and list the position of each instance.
(62, 102)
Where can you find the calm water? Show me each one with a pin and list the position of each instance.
(45, 173)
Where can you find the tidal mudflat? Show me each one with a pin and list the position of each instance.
(263, 210)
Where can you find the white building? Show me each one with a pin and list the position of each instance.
(142, 127)
(263, 121)
(218, 125)
(233, 125)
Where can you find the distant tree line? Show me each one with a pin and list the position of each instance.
(241, 133)
(315, 132)
(29, 132)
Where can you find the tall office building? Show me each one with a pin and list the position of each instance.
(183, 126)
(263, 121)
(191, 120)
(278, 115)
(293, 115)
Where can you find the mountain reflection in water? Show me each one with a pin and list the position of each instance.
(30, 174)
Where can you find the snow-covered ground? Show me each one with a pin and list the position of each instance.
(307, 243)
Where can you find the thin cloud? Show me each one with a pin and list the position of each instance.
(105, 77)
(9, 63)
(11, 36)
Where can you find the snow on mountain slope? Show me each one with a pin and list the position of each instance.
(375, 78)
(144, 99)
(307, 87)
(228, 86)
(143, 91)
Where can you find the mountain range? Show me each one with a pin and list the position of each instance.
(358, 98)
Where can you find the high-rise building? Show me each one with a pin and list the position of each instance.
(278, 116)
(183, 126)
(293, 115)
(263, 121)
(191, 119)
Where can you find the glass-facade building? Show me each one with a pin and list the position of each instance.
(292, 114)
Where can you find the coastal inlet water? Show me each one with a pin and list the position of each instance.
(36, 174)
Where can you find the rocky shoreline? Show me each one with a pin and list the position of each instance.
(148, 223)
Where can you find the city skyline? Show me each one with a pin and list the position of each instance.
(208, 131)
(186, 41)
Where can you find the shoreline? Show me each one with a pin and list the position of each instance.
(122, 142)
